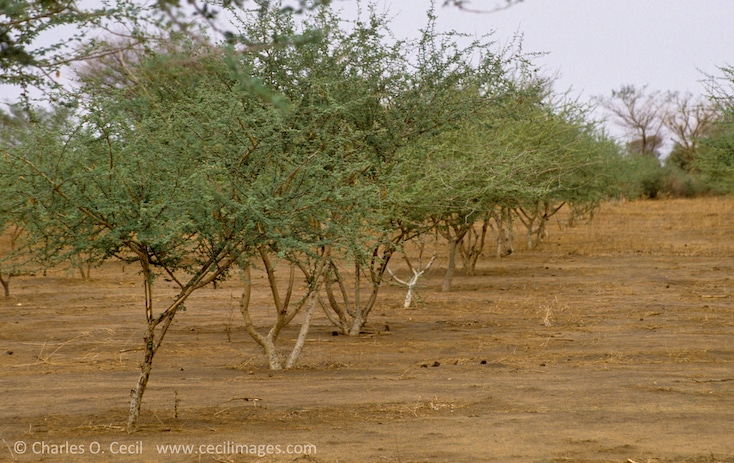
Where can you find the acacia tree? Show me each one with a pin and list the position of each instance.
(128, 179)
(514, 124)
(384, 116)
(524, 153)
(14, 123)
(431, 100)
(460, 173)
(577, 165)
(301, 169)
(339, 86)
(464, 177)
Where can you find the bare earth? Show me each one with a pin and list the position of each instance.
(612, 342)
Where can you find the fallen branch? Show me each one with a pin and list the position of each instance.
(255, 401)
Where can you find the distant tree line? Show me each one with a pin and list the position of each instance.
(696, 131)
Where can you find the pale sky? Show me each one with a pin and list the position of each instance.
(596, 46)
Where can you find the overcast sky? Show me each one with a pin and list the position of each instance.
(596, 46)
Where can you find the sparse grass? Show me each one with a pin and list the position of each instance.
(44, 358)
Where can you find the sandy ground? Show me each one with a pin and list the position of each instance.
(611, 342)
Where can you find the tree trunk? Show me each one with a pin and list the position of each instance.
(357, 324)
(408, 298)
(271, 353)
(528, 217)
(357, 282)
(284, 313)
(351, 318)
(266, 342)
(453, 245)
(361, 314)
(341, 320)
(137, 392)
(303, 333)
(163, 321)
(503, 221)
(6, 284)
(151, 347)
(472, 246)
(85, 270)
(454, 233)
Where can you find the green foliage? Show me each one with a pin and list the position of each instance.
(681, 183)
(518, 151)
(339, 141)
(104, 186)
(716, 159)
(190, 160)
(681, 158)
(642, 177)
(646, 178)
(451, 166)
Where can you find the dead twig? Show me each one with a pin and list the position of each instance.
(45, 360)
(722, 380)
(10, 449)
(132, 349)
(255, 400)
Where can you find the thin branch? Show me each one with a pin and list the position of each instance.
(460, 4)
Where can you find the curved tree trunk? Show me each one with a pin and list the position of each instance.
(303, 332)
(208, 273)
(472, 246)
(351, 317)
(151, 347)
(6, 284)
(152, 344)
(284, 310)
(267, 342)
(454, 234)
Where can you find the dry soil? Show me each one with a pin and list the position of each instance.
(611, 342)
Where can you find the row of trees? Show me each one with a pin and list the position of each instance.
(301, 144)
